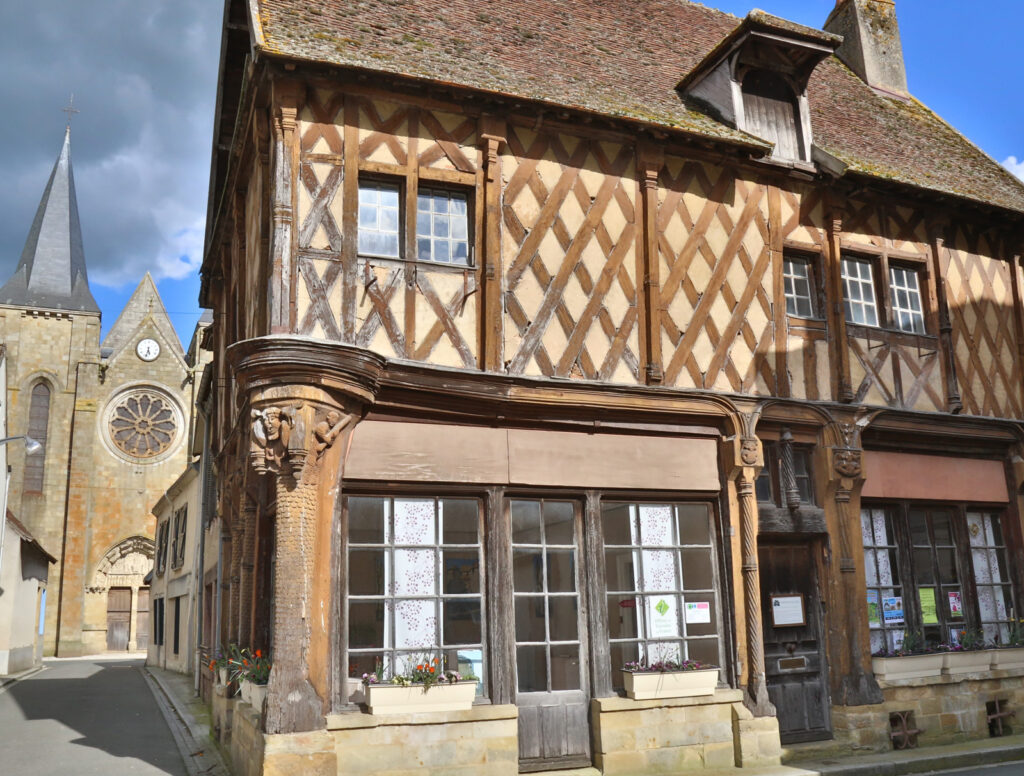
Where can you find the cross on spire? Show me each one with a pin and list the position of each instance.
(70, 110)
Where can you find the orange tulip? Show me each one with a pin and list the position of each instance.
(259, 653)
(435, 661)
(419, 667)
(432, 669)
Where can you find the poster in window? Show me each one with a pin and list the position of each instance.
(788, 611)
(874, 618)
(661, 614)
(956, 604)
(892, 610)
(929, 613)
(698, 612)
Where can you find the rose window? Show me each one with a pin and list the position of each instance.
(143, 424)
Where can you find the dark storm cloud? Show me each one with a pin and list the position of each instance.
(144, 75)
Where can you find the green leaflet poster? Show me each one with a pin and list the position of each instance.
(873, 617)
(929, 614)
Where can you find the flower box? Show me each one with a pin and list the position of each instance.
(222, 675)
(966, 662)
(1008, 658)
(257, 694)
(907, 666)
(648, 685)
(412, 698)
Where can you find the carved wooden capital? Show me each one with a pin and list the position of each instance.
(292, 440)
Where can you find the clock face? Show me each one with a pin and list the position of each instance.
(148, 349)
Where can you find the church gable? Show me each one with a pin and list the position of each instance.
(144, 311)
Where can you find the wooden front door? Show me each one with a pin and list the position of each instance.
(119, 615)
(552, 691)
(142, 619)
(794, 654)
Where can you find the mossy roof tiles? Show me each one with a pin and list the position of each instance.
(624, 58)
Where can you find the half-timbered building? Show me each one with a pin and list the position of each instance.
(551, 336)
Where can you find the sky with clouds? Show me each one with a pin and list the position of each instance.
(144, 77)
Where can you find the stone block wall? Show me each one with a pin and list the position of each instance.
(682, 734)
(946, 709)
(482, 741)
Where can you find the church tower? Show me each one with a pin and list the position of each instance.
(50, 324)
(111, 420)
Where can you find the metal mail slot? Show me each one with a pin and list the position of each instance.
(792, 663)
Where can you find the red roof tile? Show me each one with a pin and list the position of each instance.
(622, 58)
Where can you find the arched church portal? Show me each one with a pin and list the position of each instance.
(120, 579)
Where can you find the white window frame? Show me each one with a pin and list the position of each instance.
(429, 223)
(370, 191)
(859, 291)
(905, 299)
(800, 305)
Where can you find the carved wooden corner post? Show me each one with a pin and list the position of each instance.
(234, 574)
(651, 158)
(857, 686)
(492, 136)
(747, 461)
(288, 96)
(836, 312)
(947, 362)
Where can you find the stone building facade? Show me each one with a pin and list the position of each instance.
(550, 339)
(111, 416)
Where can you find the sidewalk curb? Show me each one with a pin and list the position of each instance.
(7, 681)
(920, 761)
(201, 757)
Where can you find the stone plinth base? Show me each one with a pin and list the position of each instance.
(222, 713)
(675, 735)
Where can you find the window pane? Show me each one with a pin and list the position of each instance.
(461, 622)
(697, 570)
(461, 572)
(561, 571)
(657, 526)
(694, 524)
(379, 218)
(415, 623)
(366, 572)
(615, 519)
(528, 571)
(659, 570)
(622, 617)
(460, 521)
(797, 286)
(565, 667)
(366, 624)
(559, 522)
(415, 572)
(532, 668)
(530, 618)
(905, 295)
(620, 569)
(525, 522)
(563, 616)
(414, 521)
(859, 291)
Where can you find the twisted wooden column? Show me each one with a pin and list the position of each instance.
(757, 688)
(234, 579)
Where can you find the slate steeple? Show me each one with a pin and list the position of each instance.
(51, 274)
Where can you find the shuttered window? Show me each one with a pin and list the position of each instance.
(38, 423)
(770, 112)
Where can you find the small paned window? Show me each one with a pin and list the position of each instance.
(938, 572)
(991, 575)
(442, 227)
(415, 581)
(162, 535)
(770, 485)
(905, 297)
(886, 617)
(379, 219)
(660, 571)
(859, 291)
(798, 276)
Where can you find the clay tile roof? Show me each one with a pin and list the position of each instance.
(623, 58)
(26, 535)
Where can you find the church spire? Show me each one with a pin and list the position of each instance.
(51, 273)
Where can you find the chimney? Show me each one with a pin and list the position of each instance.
(871, 44)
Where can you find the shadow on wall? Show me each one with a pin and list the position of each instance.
(109, 704)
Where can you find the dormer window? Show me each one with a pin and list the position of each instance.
(756, 80)
(771, 112)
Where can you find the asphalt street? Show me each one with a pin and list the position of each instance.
(1007, 769)
(94, 716)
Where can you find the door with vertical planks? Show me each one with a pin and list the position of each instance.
(119, 615)
(794, 657)
(552, 690)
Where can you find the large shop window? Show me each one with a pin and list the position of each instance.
(414, 584)
(937, 571)
(660, 566)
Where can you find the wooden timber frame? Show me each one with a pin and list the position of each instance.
(622, 281)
